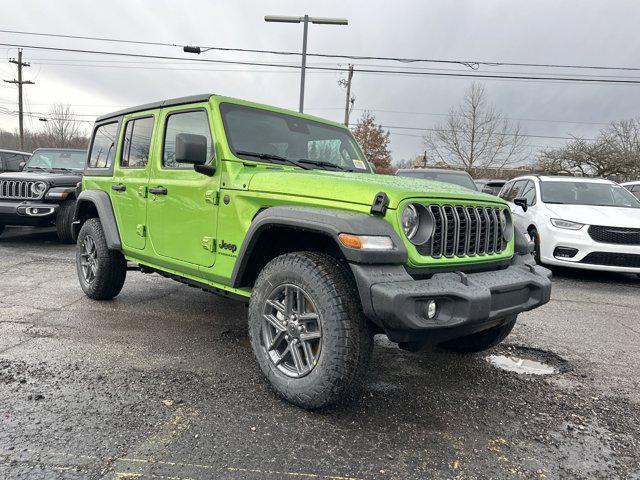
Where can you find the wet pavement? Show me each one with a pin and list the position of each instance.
(161, 383)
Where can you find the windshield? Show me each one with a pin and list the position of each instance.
(587, 193)
(273, 135)
(57, 159)
(457, 178)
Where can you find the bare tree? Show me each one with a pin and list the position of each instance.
(62, 129)
(475, 135)
(614, 153)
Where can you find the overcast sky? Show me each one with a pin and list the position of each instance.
(563, 32)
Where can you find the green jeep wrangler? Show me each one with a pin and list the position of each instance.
(283, 211)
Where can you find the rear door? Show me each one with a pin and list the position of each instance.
(183, 215)
(131, 178)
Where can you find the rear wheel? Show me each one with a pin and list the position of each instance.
(101, 271)
(307, 329)
(483, 340)
(64, 221)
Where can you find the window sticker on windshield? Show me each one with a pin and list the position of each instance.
(359, 164)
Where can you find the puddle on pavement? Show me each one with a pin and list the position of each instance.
(511, 363)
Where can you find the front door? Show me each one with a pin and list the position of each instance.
(131, 177)
(183, 206)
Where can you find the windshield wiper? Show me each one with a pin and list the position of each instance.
(65, 169)
(272, 156)
(325, 164)
(28, 168)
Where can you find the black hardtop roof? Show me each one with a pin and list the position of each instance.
(204, 97)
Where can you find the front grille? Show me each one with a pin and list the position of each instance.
(617, 235)
(17, 190)
(612, 259)
(463, 231)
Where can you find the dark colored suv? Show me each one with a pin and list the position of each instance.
(12, 160)
(44, 192)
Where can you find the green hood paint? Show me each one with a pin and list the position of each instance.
(358, 187)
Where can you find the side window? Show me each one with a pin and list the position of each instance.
(504, 192)
(193, 122)
(103, 148)
(529, 192)
(137, 143)
(516, 191)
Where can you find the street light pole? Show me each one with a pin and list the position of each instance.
(304, 61)
(305, 20)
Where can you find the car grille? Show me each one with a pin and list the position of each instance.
(464, 231)
(17, 190)
(619, 236)
(612, 259)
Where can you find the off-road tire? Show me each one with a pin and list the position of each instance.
(347, 340)
(64, 221)
(111, 265)
(483, 340)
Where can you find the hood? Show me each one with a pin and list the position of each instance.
(54, 179)
(358, 187)
(597, 215)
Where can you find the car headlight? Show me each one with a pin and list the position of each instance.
(417, 223)
(566, 224)
(410, 221)
(38, 188)
(506, 224)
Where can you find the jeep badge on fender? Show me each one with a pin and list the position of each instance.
(325, 251)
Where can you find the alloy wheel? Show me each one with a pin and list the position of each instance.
(291, 330)
(89, 259)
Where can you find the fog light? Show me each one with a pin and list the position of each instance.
(34, 211)
(565, 252)
(432, 309)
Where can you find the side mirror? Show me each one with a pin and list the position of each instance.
(21, 166)
(522, 203)
(191, 148)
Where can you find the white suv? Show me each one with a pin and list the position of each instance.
(578, 222)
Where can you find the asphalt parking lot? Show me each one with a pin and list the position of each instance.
(161, 383)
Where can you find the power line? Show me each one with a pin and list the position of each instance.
(474, 64)
(396, 72)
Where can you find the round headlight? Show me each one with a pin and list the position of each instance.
(506, 224)
(410, 221)
(38, 188)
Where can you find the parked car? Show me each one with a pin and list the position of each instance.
(456, 177)
(578, 222)
(12, 160)
(633, 187)
(284, 212)
(492, 187)
(44, 192)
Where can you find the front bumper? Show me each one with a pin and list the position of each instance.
(27, 213)
(466, 303)
(552, 237)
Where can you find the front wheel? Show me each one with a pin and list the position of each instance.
(533, 233)
(307, 329)
(477, 342)
(101, 271)
(64, 221)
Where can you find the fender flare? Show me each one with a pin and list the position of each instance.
(325, 221)
(102, 204)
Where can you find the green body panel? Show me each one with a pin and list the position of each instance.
(185, 229)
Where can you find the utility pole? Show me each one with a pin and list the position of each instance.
(20, 82)
(347, 104)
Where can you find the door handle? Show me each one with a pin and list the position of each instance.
(158, 191)
(119, 188)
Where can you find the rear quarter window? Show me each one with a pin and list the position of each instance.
(103, 147)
